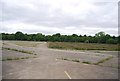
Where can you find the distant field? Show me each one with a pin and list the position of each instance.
(82, 46)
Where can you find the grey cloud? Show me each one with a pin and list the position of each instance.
(23, 13)
(96, 19)
(44, 15)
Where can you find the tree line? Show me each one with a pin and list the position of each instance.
(99, 37)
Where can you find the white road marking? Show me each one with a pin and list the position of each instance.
(67, 75)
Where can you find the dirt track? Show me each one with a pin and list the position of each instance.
(48, 66)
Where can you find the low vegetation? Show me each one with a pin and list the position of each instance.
(16, 58)
(103, 60)
(82, 46)
(22, 51)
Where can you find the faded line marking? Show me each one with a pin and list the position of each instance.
(67, 75)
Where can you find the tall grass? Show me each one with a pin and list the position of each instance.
(82, 46)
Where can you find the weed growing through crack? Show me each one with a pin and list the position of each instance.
(64, 59)
(16, 58)
(76, 60)
(22, 51)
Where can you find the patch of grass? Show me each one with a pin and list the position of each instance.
(18, 50)
(16, 58)
(86, 62)
(64, 58)
(83, 46)
(103, 60)
(76, 60)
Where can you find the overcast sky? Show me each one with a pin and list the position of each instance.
(59, 16)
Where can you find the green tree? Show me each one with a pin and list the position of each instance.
(100, 36)
(39, 37)
(74, 35)
(19, 36)
(56, 35)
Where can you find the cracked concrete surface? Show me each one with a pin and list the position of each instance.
(45, 66)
